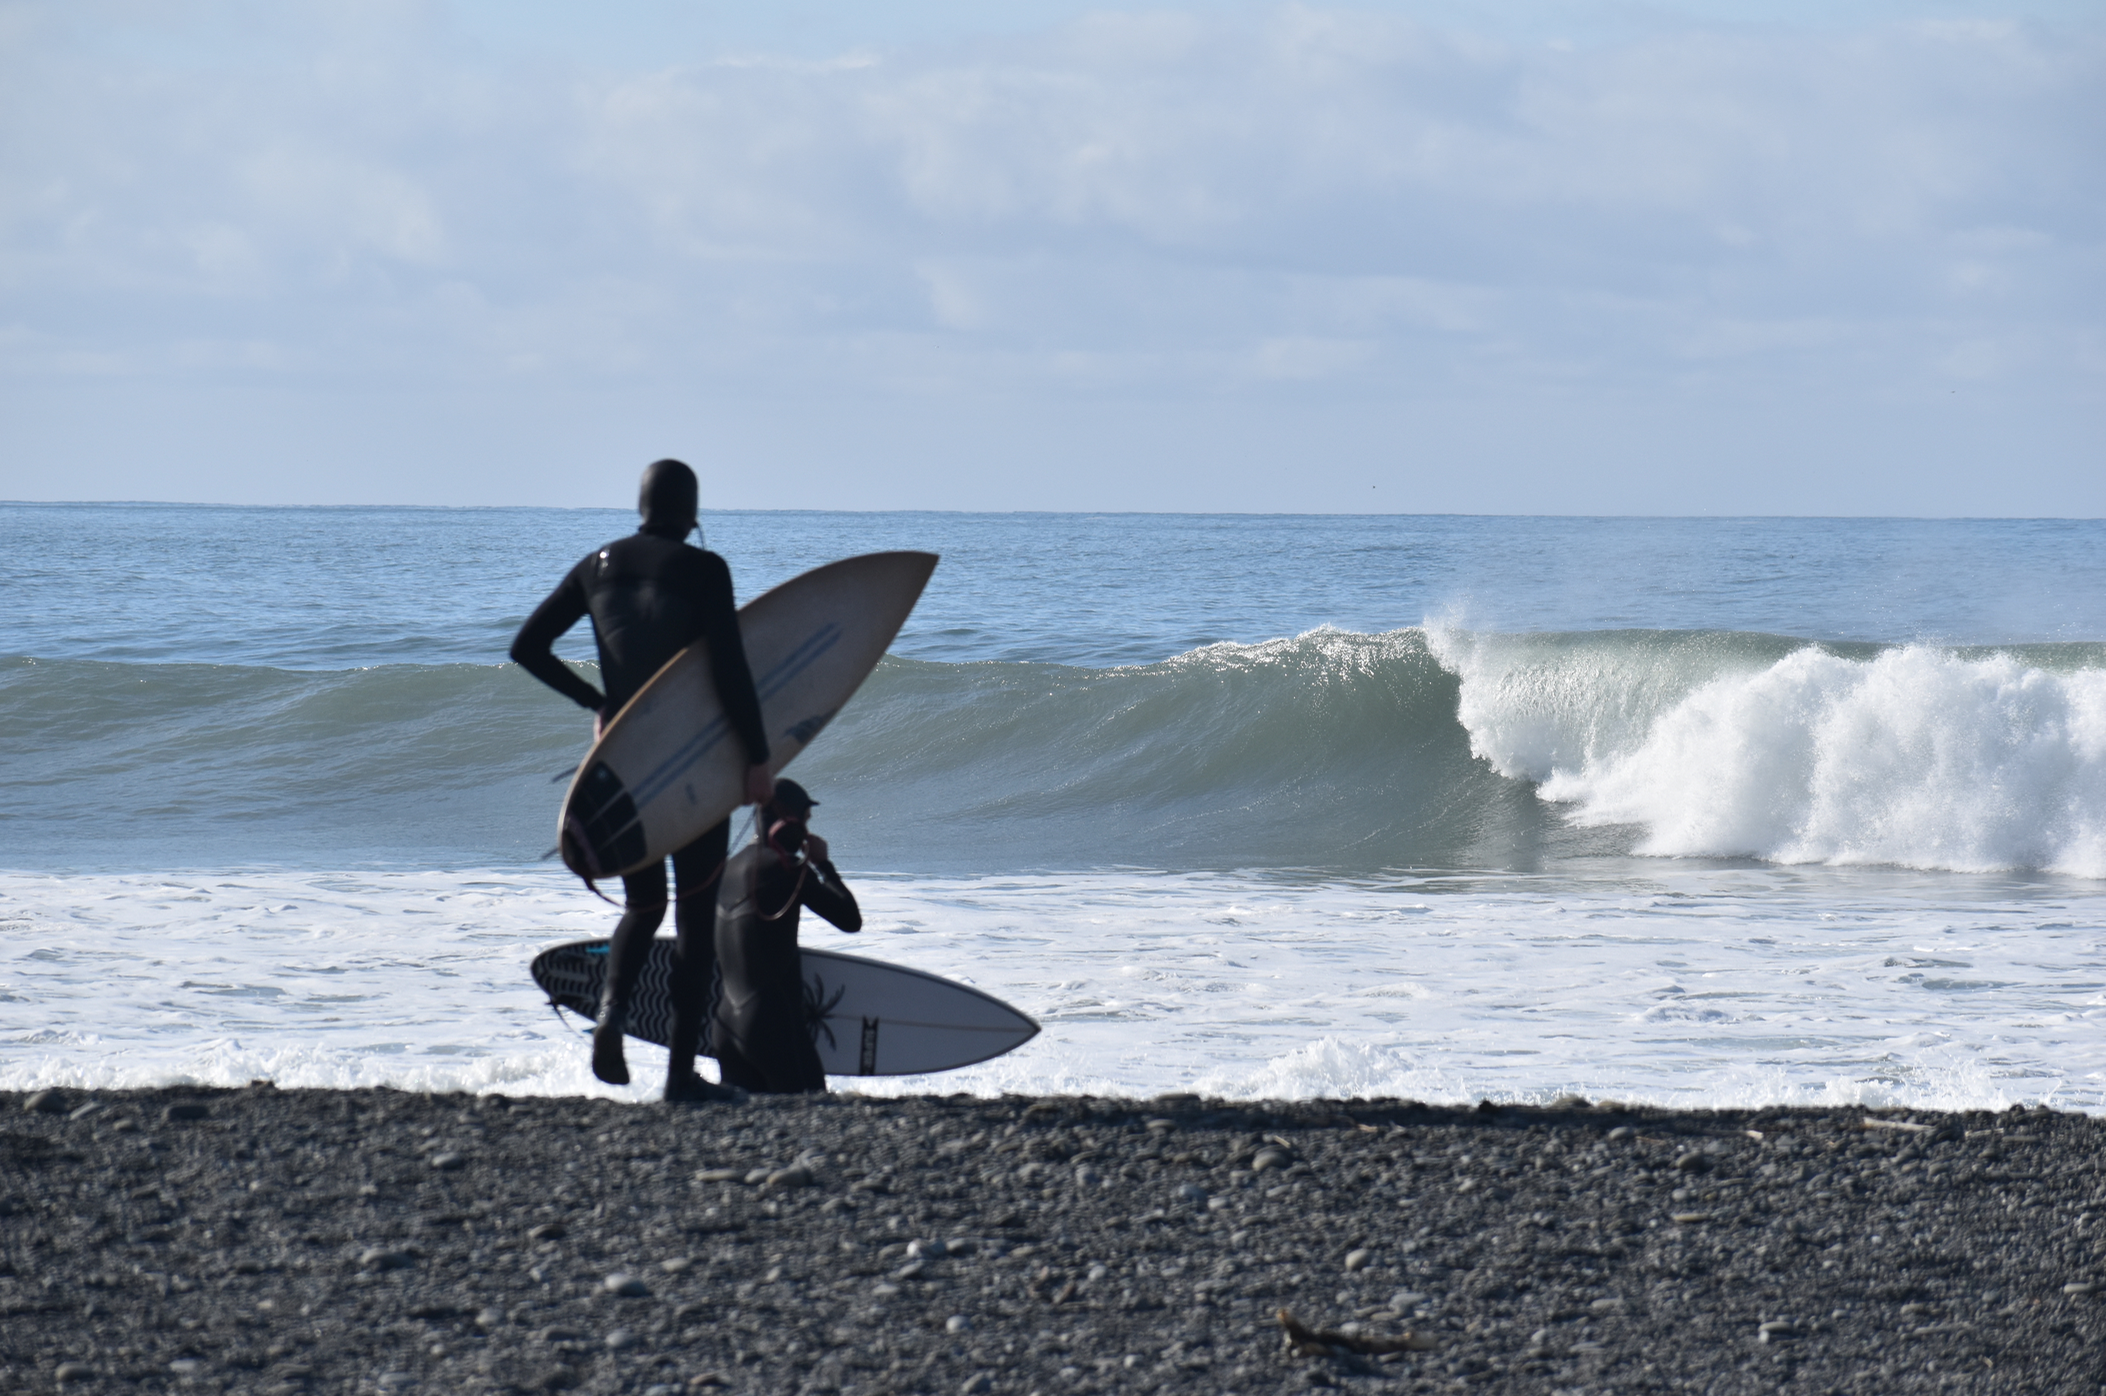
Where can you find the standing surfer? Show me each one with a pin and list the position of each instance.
(762, 1040)
(651, 595)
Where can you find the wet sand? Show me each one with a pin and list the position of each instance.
(328, 1241)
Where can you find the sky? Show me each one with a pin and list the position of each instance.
(1708, 257)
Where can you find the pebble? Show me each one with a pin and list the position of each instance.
(73, 1371)
(957, 1323)
(2081, 1287)
(628, 1286)
(978, 1384)
(720, 1175)
(1086, 1176)
(1688, 1218)
(756, 1175)
(448, 1161)
(378, 1259)
(1358, 1260)
(796, 1176)
(186, 1366)
(618, 1339)
(1777, 1330)
(1405, 1300)
(46, 1103)
(186, 1110)
(1695, 1161)
(1192, 1192)
(1270, 1158)
(489, 1319)
(1622, 1132)
(675, 1265)
(547, 1231)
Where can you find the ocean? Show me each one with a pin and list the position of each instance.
(1695, 812)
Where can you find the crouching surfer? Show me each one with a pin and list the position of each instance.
(651, 595)
(762, 1034)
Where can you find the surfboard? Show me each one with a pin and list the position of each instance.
(669, 766)
(867, 1018)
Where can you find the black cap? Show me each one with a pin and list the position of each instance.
(789, 795)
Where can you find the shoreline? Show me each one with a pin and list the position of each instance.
(258, 1240)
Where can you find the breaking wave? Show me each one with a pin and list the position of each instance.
(1331, 751)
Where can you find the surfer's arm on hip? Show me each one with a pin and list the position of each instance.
(727, 662)
(533, 649)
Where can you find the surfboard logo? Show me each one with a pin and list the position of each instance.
(803, 732)
(866, 1056)
(818, 1008)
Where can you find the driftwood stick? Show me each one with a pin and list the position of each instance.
(1327, 1342)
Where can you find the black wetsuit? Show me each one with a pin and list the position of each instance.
(650, 596)
(763, 1040)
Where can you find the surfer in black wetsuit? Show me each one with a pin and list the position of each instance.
(762, 1040)
(651, 595)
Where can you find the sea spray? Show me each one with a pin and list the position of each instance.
(1736, 746)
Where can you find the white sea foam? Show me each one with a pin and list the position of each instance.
(1910, 757)
(1658, 982)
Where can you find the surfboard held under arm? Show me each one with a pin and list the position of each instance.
(669, 765)
(867, 1018)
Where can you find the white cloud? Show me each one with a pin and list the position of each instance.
(1174, 206)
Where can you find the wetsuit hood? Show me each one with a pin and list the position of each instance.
(668, 500)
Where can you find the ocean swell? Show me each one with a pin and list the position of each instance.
(1330, 751)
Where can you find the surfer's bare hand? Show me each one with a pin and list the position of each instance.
(599, 724)
(815, 847)
(760, 784)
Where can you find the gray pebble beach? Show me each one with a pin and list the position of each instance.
(259, 1240)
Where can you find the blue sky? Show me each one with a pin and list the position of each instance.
(1691, 258)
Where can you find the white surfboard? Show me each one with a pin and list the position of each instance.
(669, 766)
(867, 1018)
